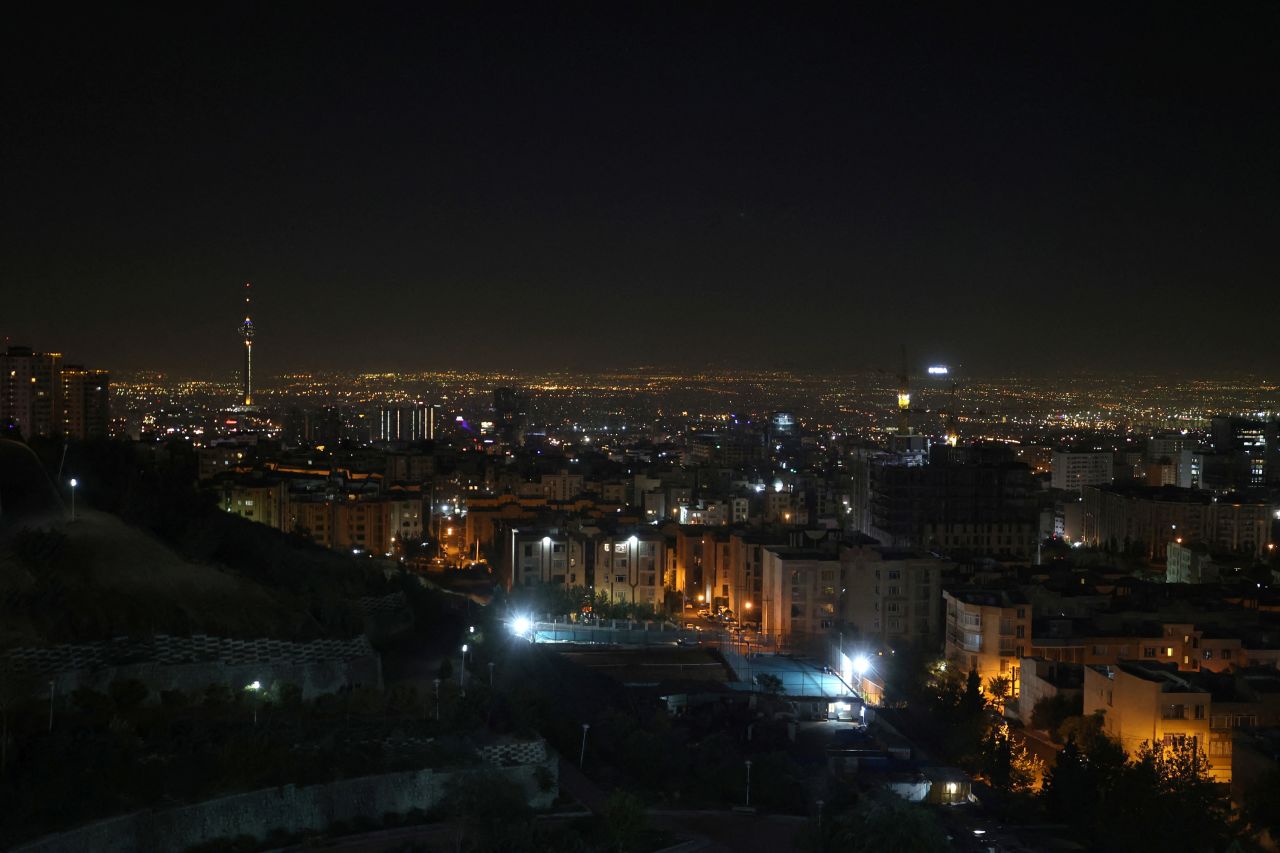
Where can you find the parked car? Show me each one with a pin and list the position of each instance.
(688, 642)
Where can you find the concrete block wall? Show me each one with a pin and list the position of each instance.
(289, 808)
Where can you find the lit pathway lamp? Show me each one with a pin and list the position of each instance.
(253, 689)
(74, 483)
(462, 670)
(582, 754)
(861, 664)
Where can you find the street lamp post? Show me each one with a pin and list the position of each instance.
(748, 784)
(490, 675)
(582, 753)
(74, 483)
(51, 692)
(437, 683)
(462, 670)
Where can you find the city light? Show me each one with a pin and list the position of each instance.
(860, 665)
(521, 625)
(938, 370)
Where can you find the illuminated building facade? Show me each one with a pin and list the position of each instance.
(30, 387)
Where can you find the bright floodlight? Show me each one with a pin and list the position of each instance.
(546, 540)
(521, 625)
(633, 540)
(74, 482)
(861, 665)
(255, 686)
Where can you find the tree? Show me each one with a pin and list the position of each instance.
(1068, 792)
(1262, 805)
(1052, 711)
(15, 686)
(492, 809)
(625, 820)
(127, 694)
(1007, 765)
(771, 683)
(971, 701)
(884, 822)
(999, 686)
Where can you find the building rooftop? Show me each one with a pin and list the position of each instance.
(1165, 675)
(988, 597)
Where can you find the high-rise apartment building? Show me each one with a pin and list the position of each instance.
(1074, 469)
(989, 631)
(408, 422)
(39, 396)
(30, 391)
(892, 596)
(86, 401)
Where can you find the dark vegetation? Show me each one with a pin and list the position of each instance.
(176, 565)
(1160, 799)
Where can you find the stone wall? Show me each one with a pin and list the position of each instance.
(289, 808)
(315, 678)
(193, 663)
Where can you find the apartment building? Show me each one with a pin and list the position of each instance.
(629, 566)
(1146, 702)
(988, 630)
(892, 596)
(800, 591)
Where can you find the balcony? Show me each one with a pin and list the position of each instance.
(966, 641)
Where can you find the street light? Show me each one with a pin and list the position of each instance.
(74, 483)
(582, 754)
(462, 670)
(254, 688)
(748, 784)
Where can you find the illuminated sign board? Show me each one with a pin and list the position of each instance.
(938, 370)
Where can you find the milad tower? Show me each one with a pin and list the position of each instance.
(246, 332)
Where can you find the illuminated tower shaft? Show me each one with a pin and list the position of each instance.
(904, 397)
(246, 332)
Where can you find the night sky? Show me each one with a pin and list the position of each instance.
(1092, 187)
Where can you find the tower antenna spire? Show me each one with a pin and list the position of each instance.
(246, 333)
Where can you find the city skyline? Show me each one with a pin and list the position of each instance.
(533, 190)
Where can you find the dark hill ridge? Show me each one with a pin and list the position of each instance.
(99, 578)
(26, 494)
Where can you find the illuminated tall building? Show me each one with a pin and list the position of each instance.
(509, 414)
(410, 422)
(246, 332)
(39, 396)
(85, 397)
(30, 388)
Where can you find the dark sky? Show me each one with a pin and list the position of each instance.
(1024, 187)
